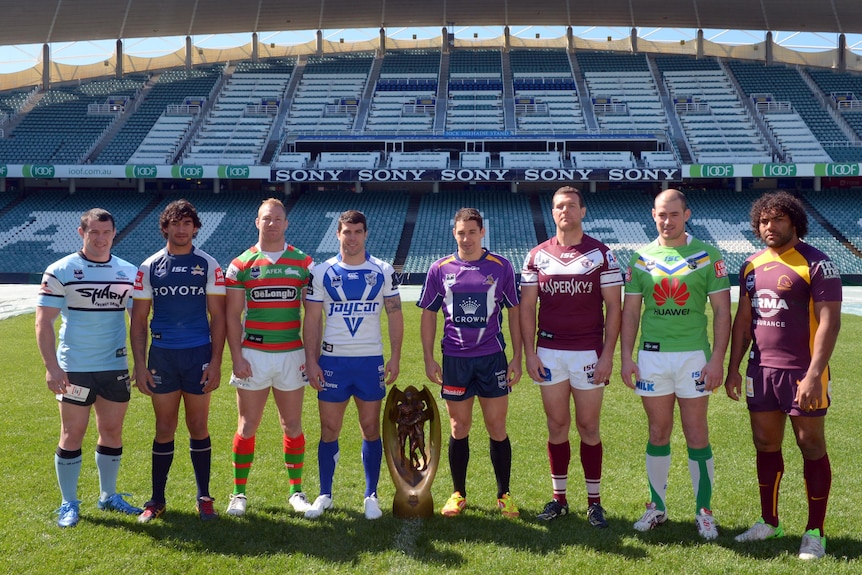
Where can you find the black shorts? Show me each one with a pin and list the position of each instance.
(179, 369)
(465, 377)
(85, 386)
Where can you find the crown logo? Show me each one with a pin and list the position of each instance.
(670, 289)
(469, 306)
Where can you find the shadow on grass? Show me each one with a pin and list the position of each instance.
(343, 536)
(836, 547)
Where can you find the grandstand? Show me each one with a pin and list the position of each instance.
(410, 131)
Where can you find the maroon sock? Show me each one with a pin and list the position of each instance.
(818, 481)
(770, 468)
(591, 460)
(559, 455)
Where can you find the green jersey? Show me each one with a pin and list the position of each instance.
(675, 284)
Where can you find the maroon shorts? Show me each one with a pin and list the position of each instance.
(771, 389)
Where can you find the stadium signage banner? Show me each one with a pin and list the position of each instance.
(479, 175)
(137, 171)
(771, 170)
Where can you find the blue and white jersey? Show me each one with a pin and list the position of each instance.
(93, 298)
(178, 286)
(352, 298)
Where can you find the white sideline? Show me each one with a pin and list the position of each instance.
(18, 299)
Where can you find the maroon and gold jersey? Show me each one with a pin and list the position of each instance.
(783, 290)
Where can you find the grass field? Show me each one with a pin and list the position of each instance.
(270, 539)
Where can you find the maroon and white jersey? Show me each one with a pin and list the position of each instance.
(570, 280)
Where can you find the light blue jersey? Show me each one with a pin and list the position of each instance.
(93, 298)
(352, 298)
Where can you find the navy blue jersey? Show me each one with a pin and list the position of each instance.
(178, 286)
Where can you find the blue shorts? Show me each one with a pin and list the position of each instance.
(361, 377)
(84, 387)
(179, 369)
(465, 377)
(771, 389)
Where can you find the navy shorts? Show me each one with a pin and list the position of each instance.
(85, 386)
(465, 377)
(771, 389)
(361, 377)
(179, 369)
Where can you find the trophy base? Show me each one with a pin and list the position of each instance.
(412, 503)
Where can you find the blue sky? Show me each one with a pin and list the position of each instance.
(22, 57)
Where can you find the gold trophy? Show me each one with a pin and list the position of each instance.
(412, 455)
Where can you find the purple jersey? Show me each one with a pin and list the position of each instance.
(570, 281)
(472, 295)
(783, 290)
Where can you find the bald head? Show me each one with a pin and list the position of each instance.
(670, 195)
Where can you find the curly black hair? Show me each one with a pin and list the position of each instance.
(177, 211)
(780, 202)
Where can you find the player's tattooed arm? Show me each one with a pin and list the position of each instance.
(392, 304)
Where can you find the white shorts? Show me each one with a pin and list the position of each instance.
(578, 367)
(285, 371)
(667, 372)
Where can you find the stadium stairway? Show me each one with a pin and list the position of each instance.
(31, 103)
(839, 235)
(537, 209)
(368, 94)
(583, 94)
(407, 232)
(115, 128)
(148, 209)
(509, 121)
(442, 93)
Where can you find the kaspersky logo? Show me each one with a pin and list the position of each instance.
(670, 290)
(3, 171)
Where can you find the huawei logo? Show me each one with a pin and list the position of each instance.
(670, 289)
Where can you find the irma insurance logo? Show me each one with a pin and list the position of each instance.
(187, 172)
(38, 171)
(712, 171)
(836, 170)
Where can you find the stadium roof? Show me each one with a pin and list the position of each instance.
(47, 21)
